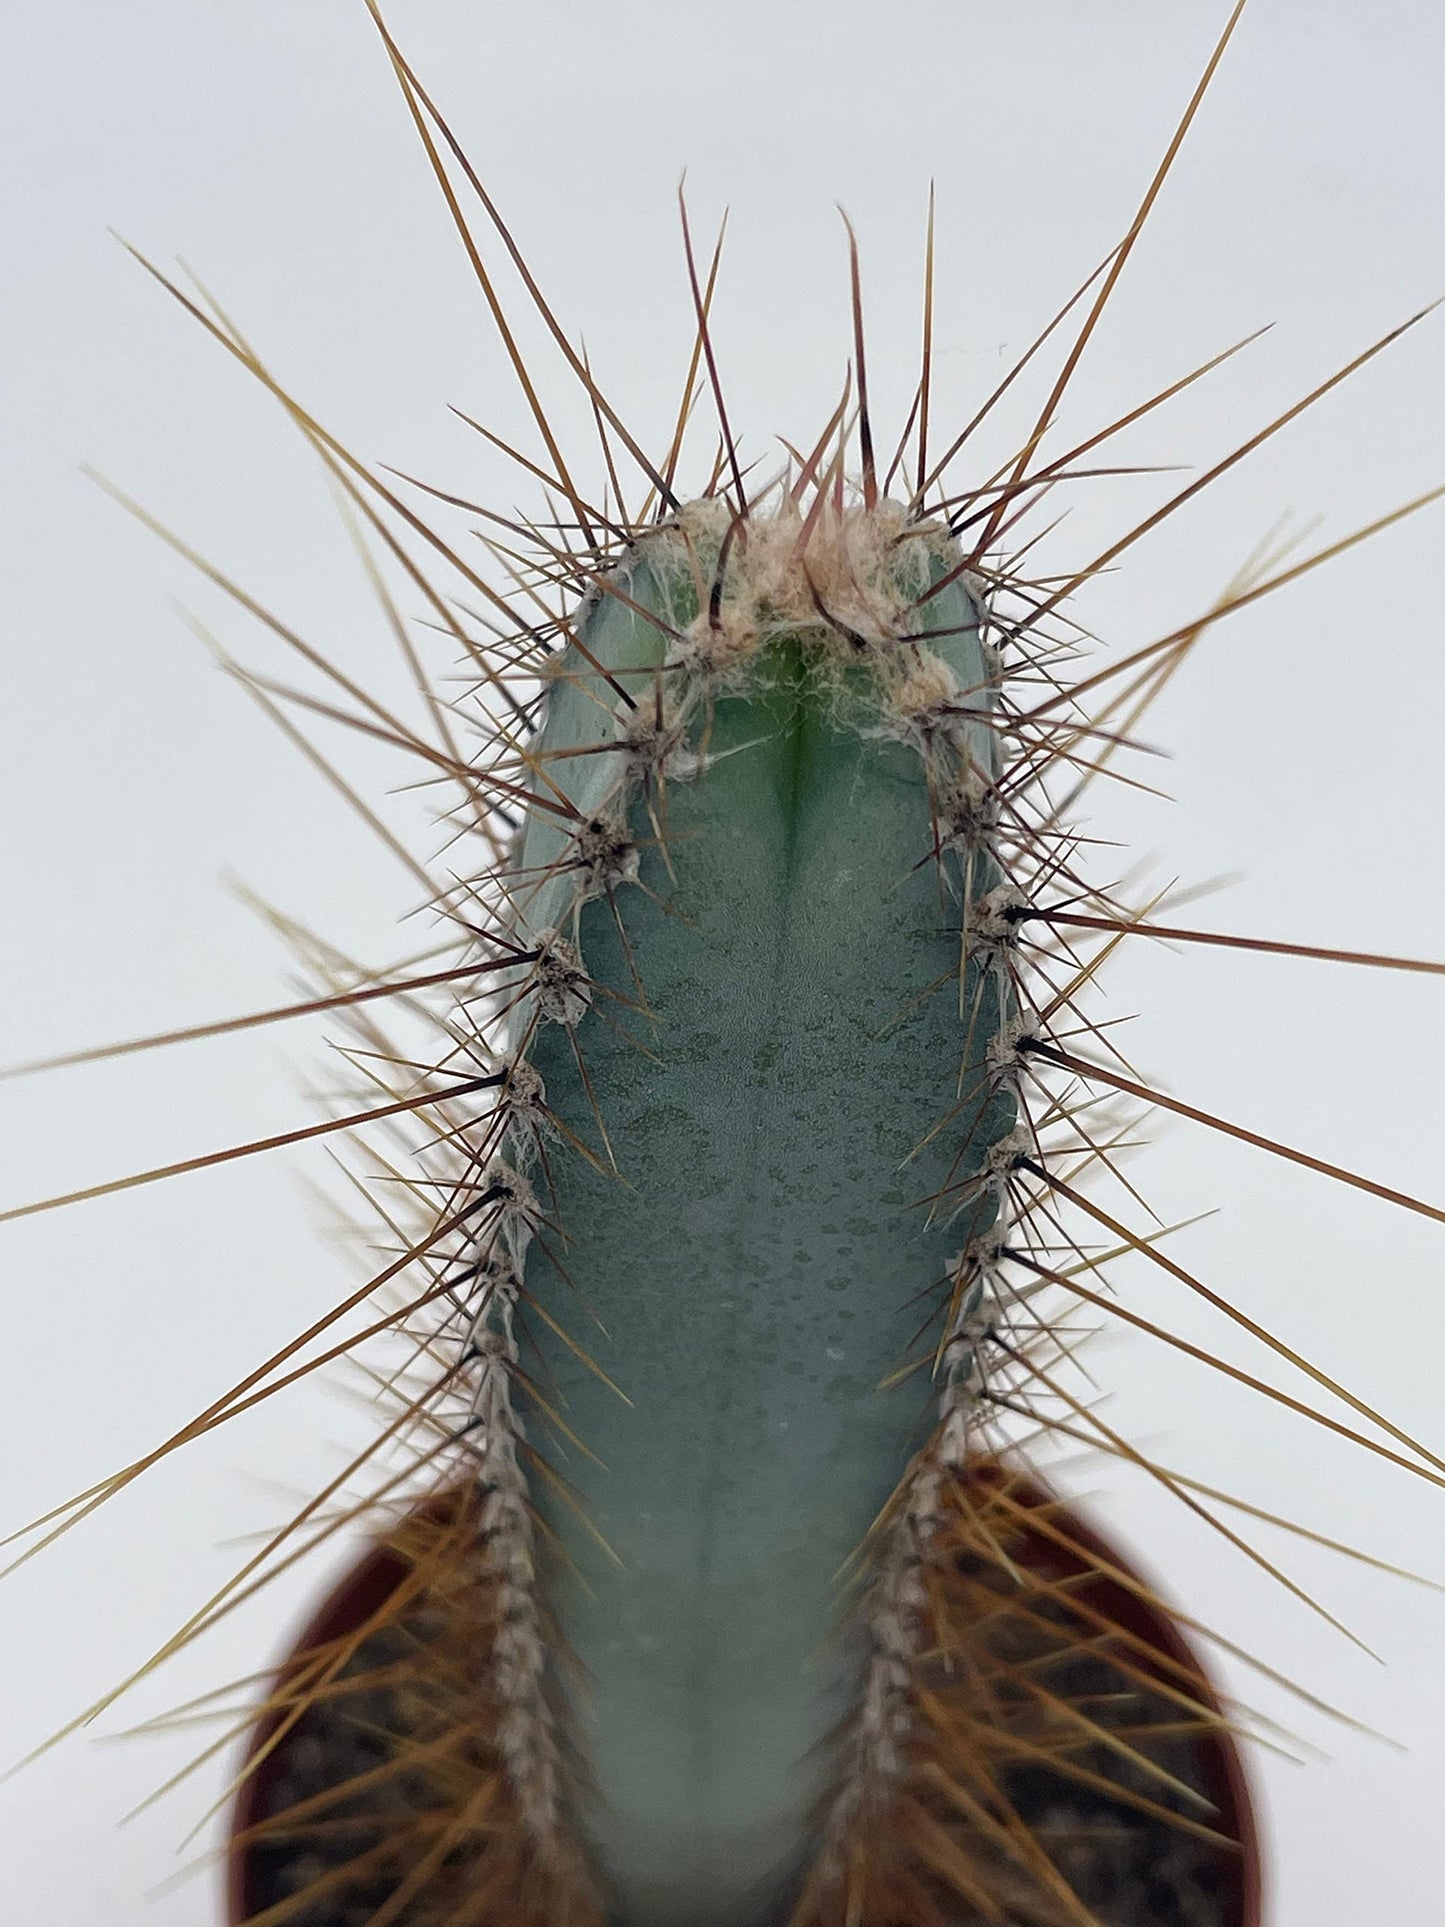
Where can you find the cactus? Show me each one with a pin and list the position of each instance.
(733, 1260)
(787, 737)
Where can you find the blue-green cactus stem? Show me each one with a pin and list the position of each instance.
(775, 1244)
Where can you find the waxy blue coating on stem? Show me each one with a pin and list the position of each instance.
(771, 1254)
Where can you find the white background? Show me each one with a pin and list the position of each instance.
(267, 144)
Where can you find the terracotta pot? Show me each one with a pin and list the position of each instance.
(1221, 1769)
(357, 1595)
(375, 1577)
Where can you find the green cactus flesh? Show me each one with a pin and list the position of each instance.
(789, 1046)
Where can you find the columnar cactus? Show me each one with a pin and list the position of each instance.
(771, 1014)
